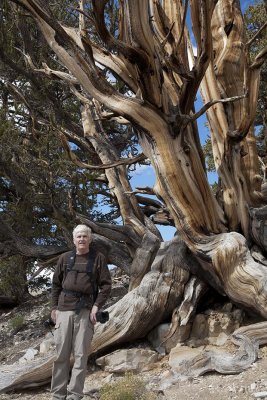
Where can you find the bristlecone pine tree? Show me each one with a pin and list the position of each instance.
(221, 240)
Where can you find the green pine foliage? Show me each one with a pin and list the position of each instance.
(207, 150)
(12, 277)
(38, 182)
(17, 323)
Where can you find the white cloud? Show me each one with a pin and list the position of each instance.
(141, 169)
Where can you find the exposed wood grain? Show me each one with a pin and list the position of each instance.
(247, 339)
(34, 373)
(151, 56)
(130, 318)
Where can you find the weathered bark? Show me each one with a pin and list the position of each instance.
(159, 292)
(144, 307)
(143, 259)
(151, 54)
(234, 148)
(258, 226)
(248, 339)
(34, 374)
(120, 187)
(165, 287)
(257, 255)
(184, 314)
(172, 168)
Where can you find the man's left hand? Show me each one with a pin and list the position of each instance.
(93, 314)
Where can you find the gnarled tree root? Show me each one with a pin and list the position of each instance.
(220, 360)
(34, 373)
(160, 291)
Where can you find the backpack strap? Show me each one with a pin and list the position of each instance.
(90, 264)
(71, 261)
(89, 268)
(90, 271)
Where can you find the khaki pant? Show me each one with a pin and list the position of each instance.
(73, 334)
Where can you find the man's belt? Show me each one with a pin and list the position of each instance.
(83, 298)
(75, 294)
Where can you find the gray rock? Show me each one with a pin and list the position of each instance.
(125, 360)
(260, 395)
(29, 355)
(47, 343)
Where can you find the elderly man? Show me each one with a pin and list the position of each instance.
(81, 285)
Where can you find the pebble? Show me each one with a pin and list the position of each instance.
(260, 395)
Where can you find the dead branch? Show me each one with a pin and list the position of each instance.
(249, 43)
(76, 161)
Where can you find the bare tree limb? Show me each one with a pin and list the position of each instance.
(133, 54)
(183, 24)
(195, 116)
(201, 12)
(81, 10)
(145, 190)
(52, 73)
(81, 18)
(76, 161)
(167, 36)
(259, 60)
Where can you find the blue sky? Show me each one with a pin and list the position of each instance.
(246, 3)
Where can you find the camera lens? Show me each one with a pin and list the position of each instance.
(102, 316)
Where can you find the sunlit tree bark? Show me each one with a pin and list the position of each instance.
(152, 54)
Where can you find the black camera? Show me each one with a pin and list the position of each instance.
(102, 316)
(49, 323)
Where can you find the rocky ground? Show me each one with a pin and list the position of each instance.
(18, 336)
(248, 385)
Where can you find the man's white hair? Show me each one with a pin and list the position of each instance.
(81, 228)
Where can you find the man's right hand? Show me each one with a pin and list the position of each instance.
(54, 315)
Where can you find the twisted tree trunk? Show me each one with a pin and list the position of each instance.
(152, 54)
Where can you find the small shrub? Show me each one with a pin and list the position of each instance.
(45, 314)
(17, 323)
(128, 388)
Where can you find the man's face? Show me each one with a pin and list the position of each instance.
(82, 241)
